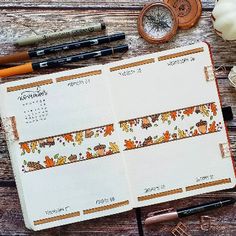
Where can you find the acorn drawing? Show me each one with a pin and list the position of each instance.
(148, 141)
(146, 123)
(100, 149)
(202, 126)
(72, 158)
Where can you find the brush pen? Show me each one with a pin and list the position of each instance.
(60, 34)
(53, 63)
(27, 55)
(171, 214)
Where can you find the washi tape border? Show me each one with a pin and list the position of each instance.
(102, 147)
(202, 123)
(56, 218)
(29, 85)
(161, 194)
(105, 208)
(77, 76)
(134, 64)
(208, 184)
(181, 54)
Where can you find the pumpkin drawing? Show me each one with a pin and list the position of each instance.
(224, 19)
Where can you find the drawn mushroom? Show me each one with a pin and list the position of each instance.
(100, 149)
(89, 133)
(72, 158)
(34, 166)
(202, 126)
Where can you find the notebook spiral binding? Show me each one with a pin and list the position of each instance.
(9, 127)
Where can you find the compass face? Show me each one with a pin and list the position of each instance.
(158, 22)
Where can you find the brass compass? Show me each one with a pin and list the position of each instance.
(157, 22)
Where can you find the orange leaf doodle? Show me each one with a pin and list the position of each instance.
(195, 133)
(212, 127)
(68, 137)
(108, 130)
(166, 136)
(49, 162)
(189, 111)
(25, 147)
(165, 116)
(173, 115)
(214, 109)
(129, 144)
(89, 155)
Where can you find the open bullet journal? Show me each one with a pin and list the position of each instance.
(96, 141)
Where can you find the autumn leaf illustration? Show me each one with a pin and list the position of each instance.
(108, 130)
(129, 144)
(165, 116)
(125, 127)
(114, 147)
(68, 137)
(181, 133)
(160, 140)
(33, 146)
(203, 110)
(79, 137)
(173, 115)
(189, 111)
(195, 132)
(212, 127)
(49, 162)
(89, 155)
(61, 161)
(25, 147)
(166, 136)
(214, 109)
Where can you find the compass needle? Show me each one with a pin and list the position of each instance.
(157, 22)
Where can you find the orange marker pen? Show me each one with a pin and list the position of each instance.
(30, 67)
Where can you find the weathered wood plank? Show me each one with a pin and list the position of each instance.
(223, 220)
(17, 23)
(83, 4)
(11, 221)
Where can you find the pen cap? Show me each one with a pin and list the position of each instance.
(19, 56)
(161, 216)
(29, 40)
(116, 37)
(121, 48)
(16, 70)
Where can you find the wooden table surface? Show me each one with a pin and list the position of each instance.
(26, 17)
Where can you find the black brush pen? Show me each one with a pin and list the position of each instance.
(30, 67)
(27, 55)
(171, 214)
